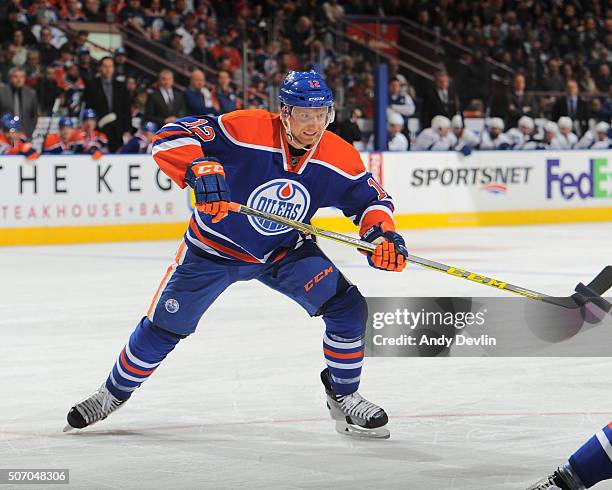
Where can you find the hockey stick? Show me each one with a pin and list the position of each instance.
(584, 294)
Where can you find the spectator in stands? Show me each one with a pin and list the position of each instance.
(573, 106)
(521, 135)
(67, 141)
(71, 11)
(122, 70)
(55, 37)
(439, 99)
(493, 137)
(224, 48)
(13, 141)
(133, 17)
(198, 99)
(399, 102)
(92, 11)
(86, 64)
(201, 53)
(188, 31)
(553, 81)
(141, 141)
(437, 136)
(517, 103)
(225, 94)
(602, 79)
(109, 97)
(565, 140)
(94, 142)
(48, 52)
(363, 94)
(20, 100)
(18, 48)
(349, 130)
(32, 68)
(396, 140)
(12, 23)
(73, 86)
(47, 91)
(466, 139)
(166, 103)
(405, 87)
(139, 103)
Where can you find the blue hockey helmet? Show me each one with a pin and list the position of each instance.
(6, 117)
(65, 122)
(89, 114)
(305, 89)
(11, 123)
(149, 126)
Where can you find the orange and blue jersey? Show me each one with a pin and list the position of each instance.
(261, 173)
(20, 146)
(56, 145)
(93, 142)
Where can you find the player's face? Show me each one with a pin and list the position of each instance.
(89, 125)
(12, 136)
(308, 124)
(65, 132)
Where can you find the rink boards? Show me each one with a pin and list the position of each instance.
(69, 199)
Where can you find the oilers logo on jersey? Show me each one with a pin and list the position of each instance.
(283, 197)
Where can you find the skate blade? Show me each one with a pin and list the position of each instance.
(68, 428)
(355, 431)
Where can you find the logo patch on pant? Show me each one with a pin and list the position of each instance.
(318, 278)
(172, 306)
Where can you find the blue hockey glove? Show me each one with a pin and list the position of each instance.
(207, 178)
(391, 253)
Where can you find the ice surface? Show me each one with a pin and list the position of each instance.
(239, 404)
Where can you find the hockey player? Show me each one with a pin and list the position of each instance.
(13, 141)
(467, 139)
(289, 165)
(142, 140)
(95, 143)
(590, 464)
(67, 141)
(493, 137)
(522, 134)
(596, 138)
(436, 137)
(397, 140)
(565, 140)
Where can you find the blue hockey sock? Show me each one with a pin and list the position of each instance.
(345, 318)
(147, 347)
(592, 462)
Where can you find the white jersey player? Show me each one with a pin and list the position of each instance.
(565, 140)
(397, 140)
(522, 134)
(438, 137)
(493, 137)
(467, 139)
(596, 138)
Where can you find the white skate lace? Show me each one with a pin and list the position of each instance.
(355, 404)
(98, 406)
(545, 484)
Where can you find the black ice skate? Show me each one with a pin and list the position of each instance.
(93, 409)
(562, 479)
(354, 415)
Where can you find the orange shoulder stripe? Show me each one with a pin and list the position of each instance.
(254, 127)
(340, 155)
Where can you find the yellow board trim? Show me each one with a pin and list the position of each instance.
(482, 218)
(168, 231)
(89, 234)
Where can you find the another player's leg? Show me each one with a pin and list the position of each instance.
(307, 276)
(590, 464)
(189, 287)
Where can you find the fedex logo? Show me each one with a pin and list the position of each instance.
(595, 183)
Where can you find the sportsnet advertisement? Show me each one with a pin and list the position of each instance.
(63, 199)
